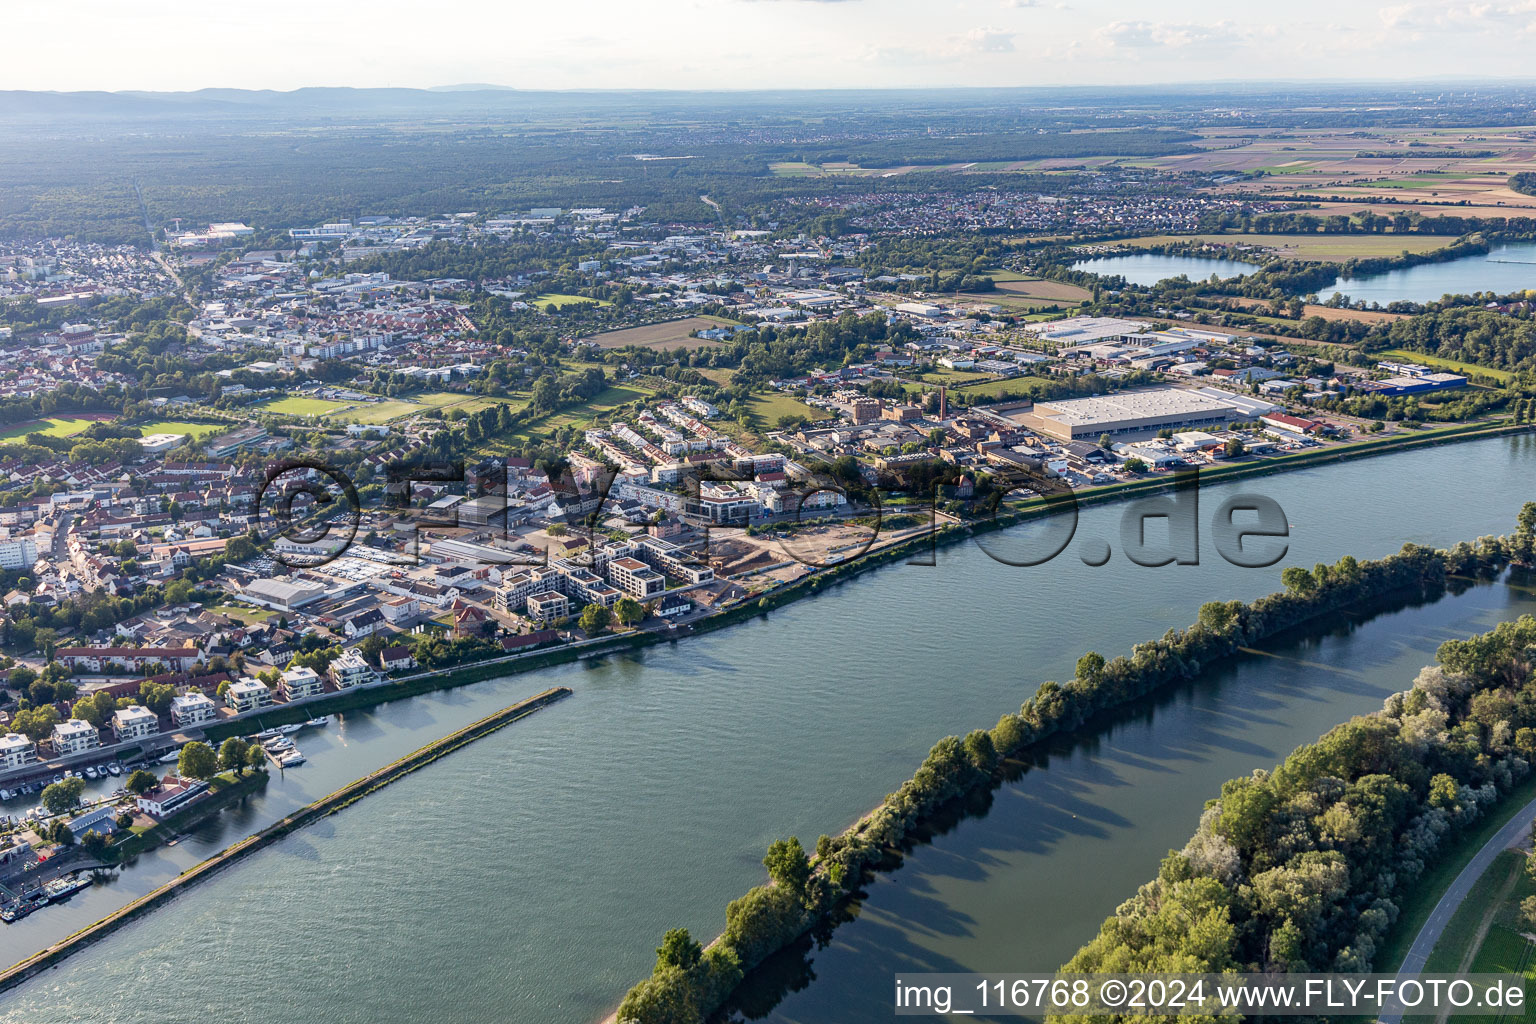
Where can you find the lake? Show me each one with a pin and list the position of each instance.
(1504, 269)
(529, 876)
(1149, 268)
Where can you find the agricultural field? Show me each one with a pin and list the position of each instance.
(1327, 248)
(554, 300)
(674, 334)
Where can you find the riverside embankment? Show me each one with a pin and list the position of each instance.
(329, 804)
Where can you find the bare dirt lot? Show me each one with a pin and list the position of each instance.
(673, 334)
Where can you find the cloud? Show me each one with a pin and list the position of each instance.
(1461, 17)
(1146, 35)
(983, 40)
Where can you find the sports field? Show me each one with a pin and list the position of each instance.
(294, 406)
(197, 431)
(52, 426)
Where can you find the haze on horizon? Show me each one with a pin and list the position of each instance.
(176, 45)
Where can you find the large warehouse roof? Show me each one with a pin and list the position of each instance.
(1155, 403)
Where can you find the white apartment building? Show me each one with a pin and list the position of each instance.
(16, 751)
(301, 682)
(351, 669)
(133, 723)
(247, 695)
(635, 578)
(18, 553)
(74, 737)
(548, 606)
(192, 709)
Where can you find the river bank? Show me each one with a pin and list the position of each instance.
(327, 805)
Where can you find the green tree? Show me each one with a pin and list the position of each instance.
(594, 618)
(36, 723)
(87, 710)
(788, 865)
(232, 755)
(61, 796)
(1298, 581)
(678, 949)
(628, 611)
(141, 782)
(255, 760)
(157, 696)
(197, 761)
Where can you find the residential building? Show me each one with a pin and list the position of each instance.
(548, 606)
(134, 723)
(192, 709)
(75, 737)
(247, 695)
(16, 751)
(635, 578)
(300, 682)
(350, 669)
(396, 659)
(170, 796)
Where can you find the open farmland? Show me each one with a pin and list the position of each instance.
(673, 334)
(1329, 248)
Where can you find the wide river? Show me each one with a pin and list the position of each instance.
(528, 876)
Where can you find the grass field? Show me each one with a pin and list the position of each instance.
(766, 410)
(382, 412)
(582, 415)
(670, 335)
(1420, 902)
(53, 426)
(553, 300)
(293, 406)
(1010, 386)
(197, 431)
(249, 616)
(1453, 365)
(1327, 248)
(1485, 934)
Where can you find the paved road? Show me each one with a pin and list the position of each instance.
(1424, 942)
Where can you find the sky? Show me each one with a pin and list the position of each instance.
(750, 44)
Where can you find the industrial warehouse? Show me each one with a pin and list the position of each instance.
(1139, 413)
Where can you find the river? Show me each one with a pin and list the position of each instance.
(528, 876)
(1502, 270)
